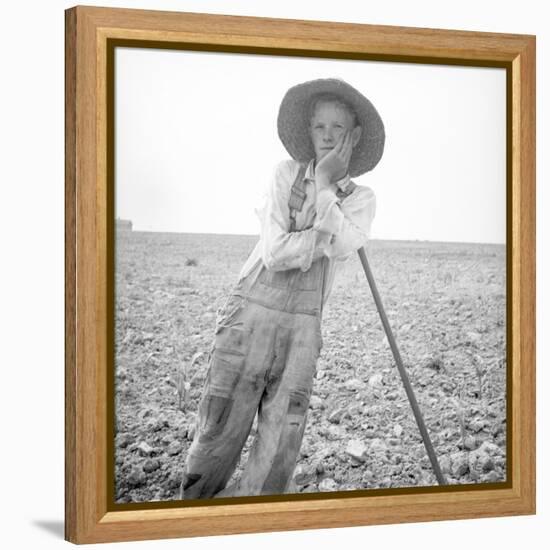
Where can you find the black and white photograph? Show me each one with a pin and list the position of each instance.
(310, 275)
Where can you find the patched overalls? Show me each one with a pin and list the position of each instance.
(267, 343)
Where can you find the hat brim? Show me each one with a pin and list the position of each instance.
(293, 123)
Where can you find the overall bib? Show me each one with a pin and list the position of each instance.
(264, 359)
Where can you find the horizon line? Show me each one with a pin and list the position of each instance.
(257, 235)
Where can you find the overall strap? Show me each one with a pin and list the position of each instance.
(349, 190)
(297, 196)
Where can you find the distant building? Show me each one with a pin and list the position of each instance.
(123, 225)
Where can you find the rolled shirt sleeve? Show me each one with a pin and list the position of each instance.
(280, 248)
(348, 221)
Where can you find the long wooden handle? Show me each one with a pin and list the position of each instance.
(403, 373)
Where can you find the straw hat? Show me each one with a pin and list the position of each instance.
(293, 123)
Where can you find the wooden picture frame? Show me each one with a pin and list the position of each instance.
(91, 36)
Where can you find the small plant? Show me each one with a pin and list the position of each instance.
(182, 387)
(181, 382)
(480, 373)
(448, 278)
(461, 413)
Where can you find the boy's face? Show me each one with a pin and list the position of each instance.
(330, 121)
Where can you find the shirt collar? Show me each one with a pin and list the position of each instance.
(342, 184)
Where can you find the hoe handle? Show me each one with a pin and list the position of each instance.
(403, 373)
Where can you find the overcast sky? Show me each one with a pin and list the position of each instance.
(196, 142)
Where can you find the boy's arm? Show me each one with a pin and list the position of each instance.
(280, 248)
(348, 222)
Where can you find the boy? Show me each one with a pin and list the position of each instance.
(268, 334)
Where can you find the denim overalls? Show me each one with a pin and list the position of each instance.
(267, 343)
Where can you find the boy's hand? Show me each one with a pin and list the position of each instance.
(334, 165)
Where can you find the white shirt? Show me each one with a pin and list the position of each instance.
(326, 225)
